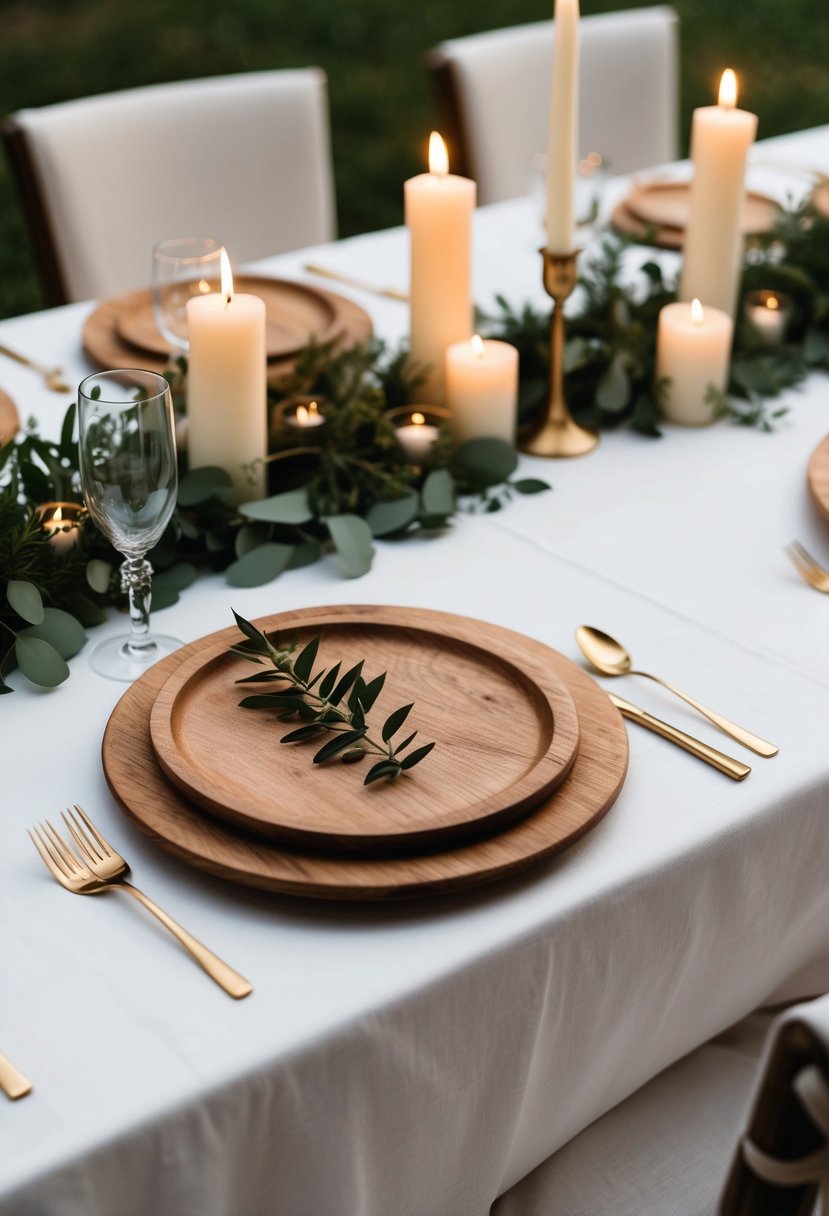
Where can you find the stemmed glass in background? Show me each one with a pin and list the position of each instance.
(127, 450)
(182, 268)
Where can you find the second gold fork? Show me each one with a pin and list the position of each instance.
(809, 569)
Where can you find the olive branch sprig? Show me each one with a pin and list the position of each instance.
(326, 702)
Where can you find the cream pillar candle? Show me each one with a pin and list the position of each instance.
(720, 138)
(693, 348)
(482, 389)
(227, 385)
(563, 136)
(439, 208)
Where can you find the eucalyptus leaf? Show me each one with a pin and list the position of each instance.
(177, 578)
(249, 536)
(530, 485)
(438, 493)
(26, 601)
(386, 518)
(99, 575)
(613, 389)
(489, 461)
(163, 597)
(82, 607)
(200, 485)
(306, 553)
(40, 662)
(61, 630)
(352, 540)
(259, 566)
(289, 508)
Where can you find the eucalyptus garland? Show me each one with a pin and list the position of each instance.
(337, 495)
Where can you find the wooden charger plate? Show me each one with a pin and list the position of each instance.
(294, 313)
(106, 348)
(504, 723)
(818, 476)
(661, 210)
(183, 830)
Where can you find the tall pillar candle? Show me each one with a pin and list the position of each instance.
(439, 208)
(563, 136)
(721, 136)
(482, 389)
(227, 386)
(693, 348)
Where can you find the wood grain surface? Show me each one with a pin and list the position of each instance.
(9, 418)
(188, 833)
(295, 313)
(505, 727)
(818, 476)
(658, 212)
(105, 347)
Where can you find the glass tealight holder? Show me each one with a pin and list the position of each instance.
(768, 314)
(417, 428)
(298, 422)
(61, 522)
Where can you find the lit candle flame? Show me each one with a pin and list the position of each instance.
(204, 287)
(697, 315)
(438, 155)
(772, 302)
(305, 414)
(227, 277)
(418, 420)
(728, 90)
(58, 516)
(477, 346)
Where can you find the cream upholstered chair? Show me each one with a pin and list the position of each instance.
(666, 1150)
(493, 95)
(245, 159)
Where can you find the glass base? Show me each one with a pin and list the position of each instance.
(116, 661)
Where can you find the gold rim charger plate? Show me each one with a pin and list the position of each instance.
(295, 313)
(345, 322)
(505, 726)
(818, 476)
(188, 832)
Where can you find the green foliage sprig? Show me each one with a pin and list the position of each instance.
(328, 702)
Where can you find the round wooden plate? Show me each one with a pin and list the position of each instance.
(295, 314)
(107, 349)
(505, 725)
(628, 224)
(818, 476)
(9, 418)
(820, 197)
(183, 830)
(668, 205)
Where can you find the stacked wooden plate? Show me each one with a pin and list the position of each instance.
(530, 754)
(122, 332)
(818, 477)
(657, 212)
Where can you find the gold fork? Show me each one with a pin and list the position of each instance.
(99, 867)
(52, 375)
(808, 568)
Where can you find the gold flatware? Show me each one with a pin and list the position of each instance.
(52, 375)
(610, 658)
(97, 867)
(12, 1082)
(809, 569)
(719, 760)
(392, 293)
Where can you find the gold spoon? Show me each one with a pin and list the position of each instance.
(52, 375)
(610, 658)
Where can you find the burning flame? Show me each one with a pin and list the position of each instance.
(697, 315)
(227, 277)
(58, 516)
(303, 415)
(438, 155)
(772, 302)
(728, 90)
(418, 420)
(477, 346)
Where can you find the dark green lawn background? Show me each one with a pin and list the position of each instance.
(372, 50)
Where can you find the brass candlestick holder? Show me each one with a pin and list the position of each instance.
(558, 434)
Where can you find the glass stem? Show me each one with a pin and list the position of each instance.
(136, 580)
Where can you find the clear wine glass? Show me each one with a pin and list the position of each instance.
(182, 268)
(127, 450)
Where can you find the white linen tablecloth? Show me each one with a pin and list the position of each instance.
(419, 1060)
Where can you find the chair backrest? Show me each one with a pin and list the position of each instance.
(493, 94)
(245, 159)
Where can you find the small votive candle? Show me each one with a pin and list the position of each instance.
(305, 417)
(482, 389)
(60, 521)
(768, 314)
(693, 349)
(417, 429)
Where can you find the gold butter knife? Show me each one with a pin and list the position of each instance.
(13, 1083)
(735, 769)
(391, 293)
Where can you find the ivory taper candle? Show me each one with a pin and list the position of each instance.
(227, 385)
(439, 208)
(721, 136)
(563, 136)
